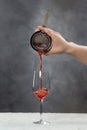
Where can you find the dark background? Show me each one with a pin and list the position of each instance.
(68, 76)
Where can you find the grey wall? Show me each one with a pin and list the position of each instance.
(68, 76)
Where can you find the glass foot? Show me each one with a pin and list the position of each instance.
(42, 122)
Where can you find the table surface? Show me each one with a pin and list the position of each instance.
(58, 121)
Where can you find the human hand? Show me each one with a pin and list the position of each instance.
(60, 45)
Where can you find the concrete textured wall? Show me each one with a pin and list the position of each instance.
(68, 76)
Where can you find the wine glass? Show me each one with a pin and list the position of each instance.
(41, 87)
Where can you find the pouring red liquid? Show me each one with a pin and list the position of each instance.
(42, 92)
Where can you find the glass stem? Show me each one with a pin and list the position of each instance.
(41, 110)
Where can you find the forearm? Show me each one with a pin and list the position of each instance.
(78, 51)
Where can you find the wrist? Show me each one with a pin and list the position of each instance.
(70, 48)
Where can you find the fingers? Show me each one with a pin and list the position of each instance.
(46, 54)
(37, 29)
(44, 29)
